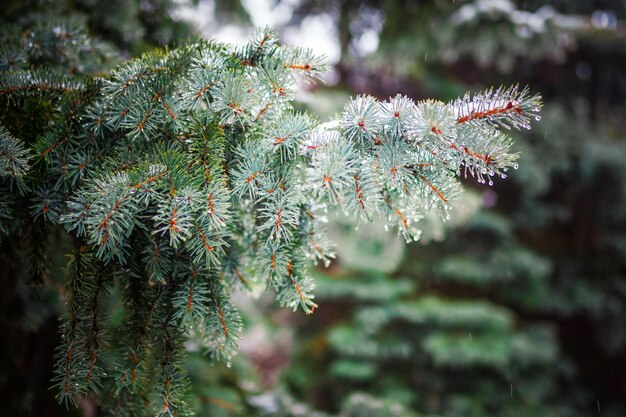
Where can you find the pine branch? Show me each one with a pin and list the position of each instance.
(70, 370)
(504, 107)
(304, 62)
(221, 326)
(187, 173)
(140, 315)
(172, 382)
(19, 85)
(14, 156)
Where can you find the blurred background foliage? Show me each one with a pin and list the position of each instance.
(517, 307)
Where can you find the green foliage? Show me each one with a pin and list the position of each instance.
(14, 157)
(129, 25)
(429, 347)
(492, 324)
(184, 174)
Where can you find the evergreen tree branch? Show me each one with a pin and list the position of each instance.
(186, 173)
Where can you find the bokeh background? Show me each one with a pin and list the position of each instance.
(516, 307)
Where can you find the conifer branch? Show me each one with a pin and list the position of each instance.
(187, 172)
(14, 156)
(504, 107)
(17, 85)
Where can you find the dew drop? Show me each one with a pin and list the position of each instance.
(503, 176)
(515, 166)
(490, 183)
